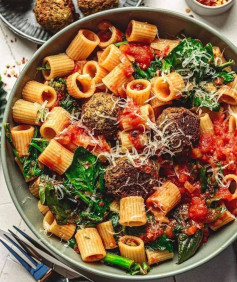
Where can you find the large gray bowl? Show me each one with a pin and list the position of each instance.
(169, 24)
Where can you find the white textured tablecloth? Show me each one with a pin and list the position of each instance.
(14, 52)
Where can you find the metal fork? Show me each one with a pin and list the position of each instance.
(44, 269)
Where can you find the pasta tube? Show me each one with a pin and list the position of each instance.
(164, 45)
(141, 31)
(64, 232)
(115, 206)
(147, 114)
(126, 140)
(60, 65)
(132, 247)
(139, 90)
(110, 57)
(117, 81)
(230, 178)
(57, 120)
(206, 125)
(34, 187)
(90, 245)
(219, 58)
(42, 208)
(106, 232)
(26, 112)
(40, 93)
(21, 137)
(164, 199)
(169, 87)
(80, 86)
(115, 36)
(56, 157)
(95, 71)
(224, 219)
(132, 211)
(82, 45)
(232, 124)
(228, 95)
(158, 256)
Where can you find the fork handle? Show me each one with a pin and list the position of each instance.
(52, 275)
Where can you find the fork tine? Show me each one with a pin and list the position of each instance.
(32, 241)
(21, 260)
(22, 250)
(26, 247)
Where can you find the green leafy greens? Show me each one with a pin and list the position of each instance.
(65, 101)
(195, 63)
(85, 175)
(30, 164)
(162, 244)
(188, 245)
(149, 73)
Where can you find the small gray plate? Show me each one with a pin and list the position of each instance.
(21, 20)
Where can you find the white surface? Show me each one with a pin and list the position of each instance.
(220, 269)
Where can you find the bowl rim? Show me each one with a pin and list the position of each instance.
(212, 7)
(71, 262)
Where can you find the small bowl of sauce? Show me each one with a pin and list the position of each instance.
(210, 7)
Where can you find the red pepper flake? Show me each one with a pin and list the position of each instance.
(12, 41)
(191, 16)
(101, 204)
(8, 75)
(4, 84)
(16, 75)
(23, 60)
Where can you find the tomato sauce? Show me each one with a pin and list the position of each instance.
(134, 137)
(138, 86)
(104, 35)
(131, 116)
(220, 148)
(142, 53)
(77, 136)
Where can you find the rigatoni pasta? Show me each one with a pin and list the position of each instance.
(90, 245)
(141, 31)
(206, 125)
(21, 137)
(106, 232)
(158, 256)
(56, 157)
(95, 71)
(26, 112)
(164, 199)
(132, 247)
(132, 211)
(59, 65)
(116, 81)
(42, 208)
(82, 45)
(80, 86)
(65, 232)
(36, 92)
(110, 57)
(165, 46)
(56, 121)
(139, 90)
(169, 87)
